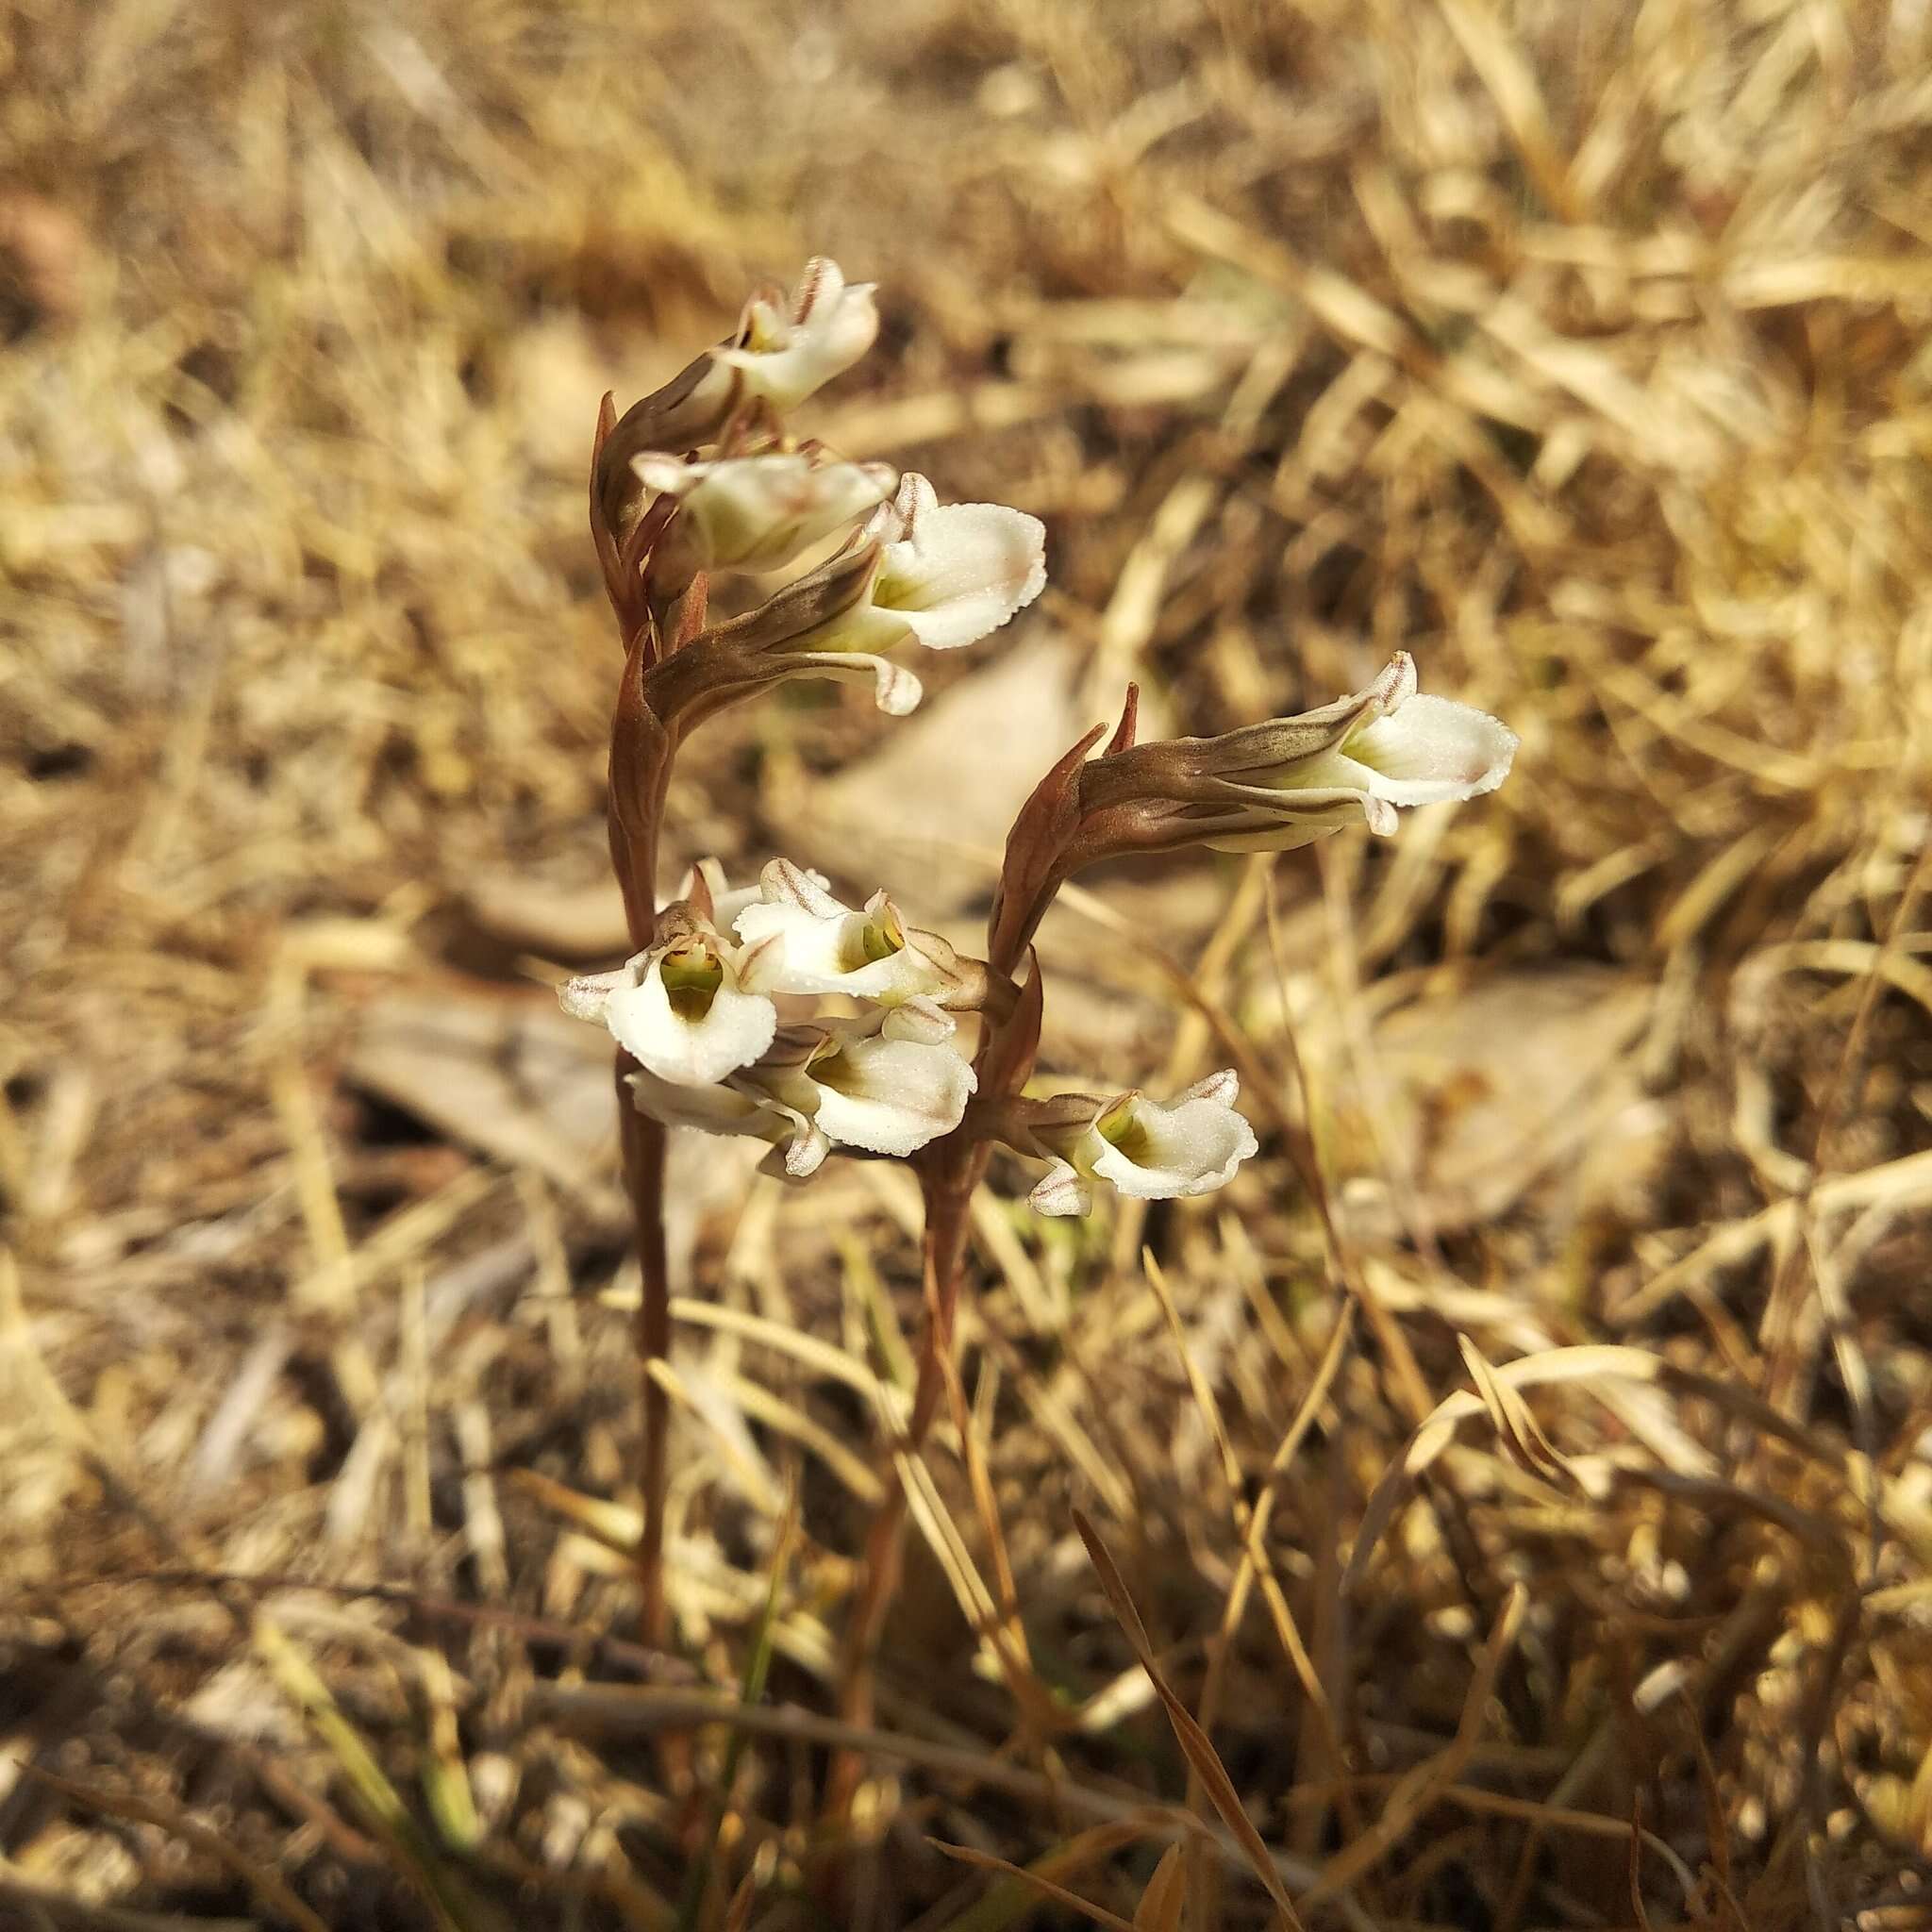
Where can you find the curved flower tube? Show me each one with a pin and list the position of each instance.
(798, 1145)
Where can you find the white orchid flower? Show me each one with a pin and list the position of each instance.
(782, 357)
(781, 353)
(1400, 748)
(1147, 1151)
(808, 941)
(948, 574)
(798, 1145)
(876, 1091)
(755, 513)
(678, 1009)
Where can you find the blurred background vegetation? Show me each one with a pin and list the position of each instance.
(1579, 349)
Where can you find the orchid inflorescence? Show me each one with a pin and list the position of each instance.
(782, 1013)
(779, 1011)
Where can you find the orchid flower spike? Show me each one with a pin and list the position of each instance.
(754, 512)
(807, 941)
(783, 354)
(863, 1084)
(679, 1008)
(1146, 1151)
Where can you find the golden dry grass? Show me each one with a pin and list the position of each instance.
(1531, 1515)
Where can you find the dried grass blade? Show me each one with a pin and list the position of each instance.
(758, 1671)
(1517, 1429)
(1420, 1789)
(267, 1886)
(997, 1908)
(616, 1525)
(1193, 1741)
(1159, 1909)
(1437, 1429)
(450, 1902)
(807, 1350)
(1045, 1886)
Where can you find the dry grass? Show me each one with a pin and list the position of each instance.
(1514, 1486)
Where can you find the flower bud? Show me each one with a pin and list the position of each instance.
(754, 512)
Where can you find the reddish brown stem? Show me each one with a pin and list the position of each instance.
(951, 1170)
(643, 1174)
(947, 1199)
(946, 1183)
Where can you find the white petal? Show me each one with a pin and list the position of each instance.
(586, 996)
(782, 883)
(732, 1031)
(799, 951)
(1060, 1190)
(798, 1158)
(919, 1018)
(895, 522)
(1429, 750)
(890, 1096)
(1192, 1147)
(716, 1109)
(806, 1152)
(1223, 1089)
(964, 572)
(725, 906)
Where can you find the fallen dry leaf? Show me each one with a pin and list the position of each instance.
(927, 813)
(519, 1081)
(1477, 1097)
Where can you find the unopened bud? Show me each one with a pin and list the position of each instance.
(754, 512)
